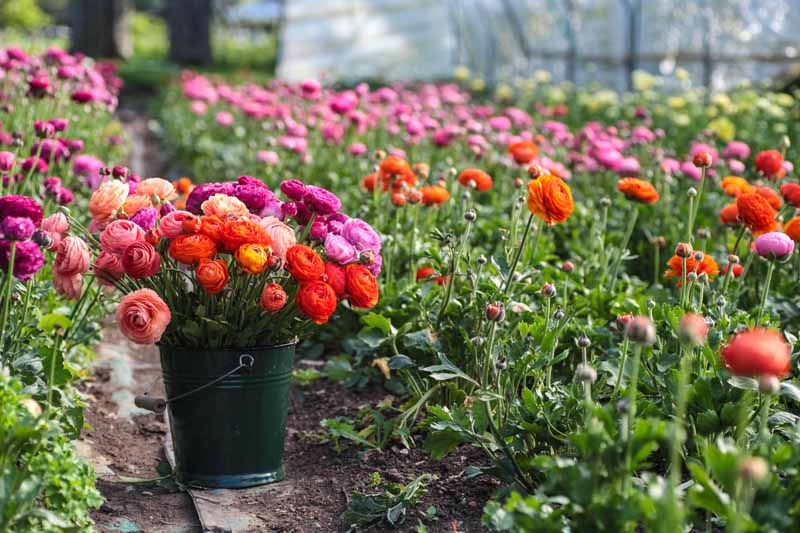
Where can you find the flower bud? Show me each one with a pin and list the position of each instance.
(753, 469)
(423, 170)
(651, 304)
(501, 364)
(785, 142)
(721, 301)
(548, 290)
(559, 314)
(585, 373)
(414, 197)
(698, 256)
(43, 239)
(641, 330)
(768, 384)
(466, 195)
(380, 155)
(482, 260)
(153, 236)
(622, 321)
(684, 250)
(605, 201)
(398, 199)
(733, 259)
(476, 340)
(693, 329)
(367, 257)
(120, 171)
(691, 192)
(691, 276)
(536, 171)
(702, 159)
(470, 215)
(567, 266)
(518, 183)
(495, 312)
(623, 406)
(704, 233)
(584, 341)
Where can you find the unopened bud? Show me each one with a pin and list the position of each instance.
(559, 314)
(567, 266)
(414, 196)
(470, 215)
(733, 259)
(584, 341)
(367, 257)
(693, 329)
(398, 199)
(641, 330)
(753, 469)
(605, 201)
(548, 290)
(482, 260)
(495, 312)
(704, 233)
(691, 192)
(585, 373)
(536, 171)
(768, 384)
(702, 159)
(518, 183)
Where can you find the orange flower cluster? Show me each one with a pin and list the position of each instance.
(792, 229)
(523, 152)
(321, 284)
(707, 265)
(183, 187)
(734, 185)
(394, 172)
(638, 190)
(434, 195)
(550, 199)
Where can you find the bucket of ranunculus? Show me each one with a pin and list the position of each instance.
(225, 288)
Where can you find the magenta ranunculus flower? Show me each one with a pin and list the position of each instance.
(338, 249)
(321, 201)
(145, 218)
(28, 259)
(7, 161)
(774, 245)
(16, 228)
(21, 206)
(361, 236)
(293, 189)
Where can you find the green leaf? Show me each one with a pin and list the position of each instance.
(447, 370)
(401, 361)
(52, 321)
(790, 390)
(379, 322)
(440, 443)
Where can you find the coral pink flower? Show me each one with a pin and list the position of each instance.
(171, 225)
(161, 188)
(108, 268)
(119, 235)
(107, 199)
(223, 205)
(72, 257)
(143, 316)
(68, 286)
(282, 235)
(757, 352)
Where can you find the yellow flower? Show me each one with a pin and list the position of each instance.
(682, 74)
(676, 102)
(504, 91)
(252, 258)
(461, 73)
(542, 76)
(478, 84)
(643, 81)
(724, 128)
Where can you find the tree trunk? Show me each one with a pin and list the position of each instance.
(189, 31)
(100, 28)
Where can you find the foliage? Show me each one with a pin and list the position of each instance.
(388, 508)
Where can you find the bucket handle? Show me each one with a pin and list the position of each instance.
(158, 405)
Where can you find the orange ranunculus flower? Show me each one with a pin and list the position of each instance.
(394, 166)
(224, 206)
(758, 352)
(729, 215)
(183, 185)
(523, 152)
(792, 229)
(638, 190)
(212, 275)
(191, 248)
(273, 298)
(707, 266)
(369, 182)
(734, 185)
(475, 177)
(756, 213)
(362, 287)
(135, 202)
(303, 263)
(317, 300)
(550, 199)
(336, 277)
(212, 226)
(772, 197)
(434, 195)
(191, 225)
(770, 163)
(243, 231)
(428, 273)
(253, 258)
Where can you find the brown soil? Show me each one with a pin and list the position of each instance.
(321, 479)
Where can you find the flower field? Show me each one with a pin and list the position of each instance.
(595, 293)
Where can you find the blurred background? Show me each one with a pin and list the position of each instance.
(714, 43)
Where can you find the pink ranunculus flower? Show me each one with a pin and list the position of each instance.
(159, 187)
(357, 149)
(338, 249)
(108, 268)
(7, 161)
(140, 260)
(171, 225)
(143, 316)
(69, 286)
(72, 257)
(56, 223)
(119, 235)
(224, 118)
(268, 157)
(282, 236)
(774, 244)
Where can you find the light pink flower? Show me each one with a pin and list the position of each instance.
(119, 235)
(143, 316)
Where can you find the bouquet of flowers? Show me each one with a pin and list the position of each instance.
(224, 264)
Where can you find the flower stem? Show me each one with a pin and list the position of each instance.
(453, 273)
(632, 390)
(7, 298)
(513, 267)
(764, 294)
(626, 239)
(621, 370)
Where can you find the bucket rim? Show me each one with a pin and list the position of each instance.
(292, 342)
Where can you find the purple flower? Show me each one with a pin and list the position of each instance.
(322, 201)
(28, 259)
(7, 161)
(774, 245)
(255, 197)
(86, 164)
(336, 222)
(288, 209)
(166, 209)
(736, 150)
(52, 184)
(339, 250)
(21, 206)
(361, 236)
(294, 189)
(17, 228)
(133, 181)
(319, 230)
(303, 213)
(203, 192)
(145, 218)
(64, 196)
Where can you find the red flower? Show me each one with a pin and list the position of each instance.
(770, 163)
(317, 300)
(757, 352)
(273, 298)
(791, 193)
(336, 278)
(362, 287)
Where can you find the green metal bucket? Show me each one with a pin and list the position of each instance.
(229, 432)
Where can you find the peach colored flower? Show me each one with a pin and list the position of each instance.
(55, 223)
(171, 225)
(135, 202)
(118, 235)
(283, 236)
(72, 257)
(143, 316)
(157, 187)
(107, 199)
(223, 206)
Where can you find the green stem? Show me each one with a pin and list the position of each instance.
(632, 391)
(453, 274)
(764, 294)
(626, 239)
(516, 256)
(7, 298)
(621, 370)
